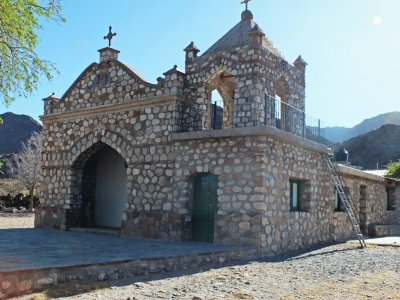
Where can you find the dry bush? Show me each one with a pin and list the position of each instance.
(11, 186)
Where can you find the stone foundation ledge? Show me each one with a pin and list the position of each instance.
(50, 217)
(384, 230)
(23, 282)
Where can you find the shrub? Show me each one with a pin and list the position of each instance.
(393, 169)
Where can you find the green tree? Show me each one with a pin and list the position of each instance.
(393, 169)
(20, 66)
(1, 163)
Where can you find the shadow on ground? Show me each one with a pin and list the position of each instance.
(72, 289)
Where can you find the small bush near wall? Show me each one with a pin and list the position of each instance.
(393, 170)
(17, 201)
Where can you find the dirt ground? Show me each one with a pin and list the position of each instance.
(334, 272)
(16, 220)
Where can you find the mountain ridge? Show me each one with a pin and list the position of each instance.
(15, 130)
(340, 134)
(375, 148)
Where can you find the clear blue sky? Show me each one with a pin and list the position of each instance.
(352, 46)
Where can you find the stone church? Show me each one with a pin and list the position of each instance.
(218, 152)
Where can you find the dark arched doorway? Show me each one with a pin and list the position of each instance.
(101, 185)
(205, 201)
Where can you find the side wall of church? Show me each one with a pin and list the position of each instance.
(254, 191)
(254, 176)
(370, 200)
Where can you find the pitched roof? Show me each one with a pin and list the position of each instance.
(238, 36)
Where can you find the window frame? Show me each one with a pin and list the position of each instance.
(338, 205)
(363, 192)
(390, 201)
(303, 195)
(297, 183)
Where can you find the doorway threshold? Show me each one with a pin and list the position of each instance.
(99, 230)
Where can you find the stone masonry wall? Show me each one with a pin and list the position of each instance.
(287, 230)
(140, 136)
(258, 74)
(241, 185)
(375, 207)
(109, 83)
(254, 192)
(111, 104)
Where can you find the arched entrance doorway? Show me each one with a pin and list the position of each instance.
(101, 184)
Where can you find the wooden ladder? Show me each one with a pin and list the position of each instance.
(345, 197)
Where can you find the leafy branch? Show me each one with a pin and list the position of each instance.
(393, 169)
(20, 65)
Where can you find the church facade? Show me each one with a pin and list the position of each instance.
(219, 152)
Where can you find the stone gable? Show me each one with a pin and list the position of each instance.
(107, 83)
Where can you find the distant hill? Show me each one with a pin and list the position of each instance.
(340, 134)
(378, 146)
(15, 130)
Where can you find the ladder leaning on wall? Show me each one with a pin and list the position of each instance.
(345, 196)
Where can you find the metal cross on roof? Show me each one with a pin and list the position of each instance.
(109, 36)
(246, 2)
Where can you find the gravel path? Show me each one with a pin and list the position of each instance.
(16, 220)
(335, 272)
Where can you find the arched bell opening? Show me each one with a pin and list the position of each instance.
(220, 94)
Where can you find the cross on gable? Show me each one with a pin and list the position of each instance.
(109, 36)
(246, 2)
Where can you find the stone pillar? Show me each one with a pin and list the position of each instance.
(256, 36)
(108, 53)
(298, 99)
(250, 100)
(174, 81)
(191, 53)
(49, 103)
(301, 65)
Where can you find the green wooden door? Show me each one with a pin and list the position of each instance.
(204, 207)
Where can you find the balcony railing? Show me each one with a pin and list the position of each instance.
(278, 114)
(286, 117)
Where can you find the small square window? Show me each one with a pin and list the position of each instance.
(300, 198)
